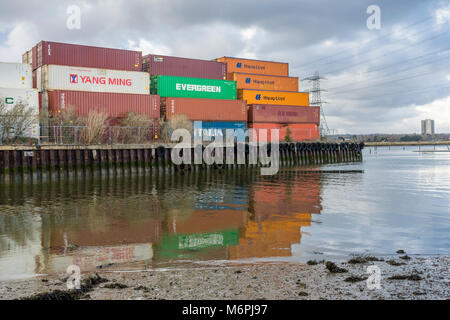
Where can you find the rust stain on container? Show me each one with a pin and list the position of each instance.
(205, 109)
(283, 114)
(255, 66)
(297, 132)
(184, 67)
(116, 105)
(263, 82)
(46, 52)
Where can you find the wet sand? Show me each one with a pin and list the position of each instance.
(421, 277)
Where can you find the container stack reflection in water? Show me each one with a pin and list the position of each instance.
(206, 231)
(278, 212)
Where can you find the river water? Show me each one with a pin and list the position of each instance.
(395, 199)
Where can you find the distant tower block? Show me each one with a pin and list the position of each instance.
(316, 100)
(428, 127)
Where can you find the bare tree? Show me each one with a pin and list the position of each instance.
(180, 121)
(137, 128)
(16, 121)
(95, 127)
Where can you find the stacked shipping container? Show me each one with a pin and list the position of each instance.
(199, 90)
(89, 78)
(16, 88)
(183, 67)
(120, 81)
(65, 54)
(273, 99)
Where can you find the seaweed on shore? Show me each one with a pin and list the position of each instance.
(73, 294)
(314, 262)
(412, 277)
(363, 259)
(355, 279)
(115, 286)
(395, 263)
(333, 268)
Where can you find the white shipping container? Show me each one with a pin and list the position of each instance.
(10, 97)
(15, 75)
(56, 77)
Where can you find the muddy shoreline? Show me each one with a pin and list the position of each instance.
(416, 277)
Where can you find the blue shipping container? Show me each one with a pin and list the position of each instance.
(221, 199)
(210, 129)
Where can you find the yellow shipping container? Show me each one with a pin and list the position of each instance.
(263, 82)
(255, 66)
(285, 98)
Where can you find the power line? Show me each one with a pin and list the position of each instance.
(400, 93)
(410, 59)
(367, 51)
(385, 54)
(376, 39)
(385, 82)
(408, 68)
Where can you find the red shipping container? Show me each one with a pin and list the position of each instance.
(298, 131)
(184, 67)
(205, 109)
(85, 56)
(116, 105)
(34, 78)
(283, 114)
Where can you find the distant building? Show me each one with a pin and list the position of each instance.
(427, 127)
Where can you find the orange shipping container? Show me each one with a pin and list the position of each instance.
(298, 131)
(256, 66)
(272, 238)
(286, 98)
(205, 109)
(263, 82)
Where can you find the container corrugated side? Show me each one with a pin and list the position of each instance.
(184, 67)
(116, 105)
(274, 97)
(208, 130)
(27, 57)
(30, 98)
(16, 75)
(183, 87)
(270, 68)
(298, 132)
(283, 114)
(205, 109)
(56, 77)
(46, 52)
(263, 82)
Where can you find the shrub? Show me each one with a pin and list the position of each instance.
(16, 121)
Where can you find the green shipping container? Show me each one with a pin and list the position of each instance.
(184, 245)
(183, 87)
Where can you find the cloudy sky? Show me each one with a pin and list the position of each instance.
(377, 80)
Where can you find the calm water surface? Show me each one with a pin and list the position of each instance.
(395, 199)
